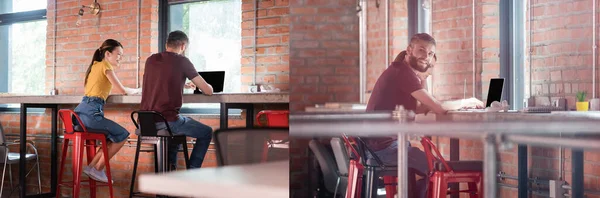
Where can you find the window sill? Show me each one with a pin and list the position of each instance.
(13, 109)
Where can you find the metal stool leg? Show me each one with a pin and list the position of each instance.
(186, 155)
(162, 154)
(370, 187)
(135, 164)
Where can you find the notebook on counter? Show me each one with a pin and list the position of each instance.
(542, 109)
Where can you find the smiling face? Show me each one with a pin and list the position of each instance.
(114, 57)
(420, 55)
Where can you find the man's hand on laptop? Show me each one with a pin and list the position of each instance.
(472, 103)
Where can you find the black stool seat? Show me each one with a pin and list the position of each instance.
(461, 166)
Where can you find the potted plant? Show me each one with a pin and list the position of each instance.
(581, 104)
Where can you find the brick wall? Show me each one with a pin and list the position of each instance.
(561, 65)
(562, 49)
(376, 32)
(324, 52)
(324, 66)
(272, 43)
(75, 44)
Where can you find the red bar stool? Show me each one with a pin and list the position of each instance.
(81, 138)
(443, 172)
(356, 171)
(274, 118)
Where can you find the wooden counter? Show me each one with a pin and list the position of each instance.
(136, 99)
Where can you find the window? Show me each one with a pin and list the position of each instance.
(512, 51)
(214, 29)
(23, 51)
(22, 47)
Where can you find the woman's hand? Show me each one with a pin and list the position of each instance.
(131, 91)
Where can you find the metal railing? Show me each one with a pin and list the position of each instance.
(491, 133)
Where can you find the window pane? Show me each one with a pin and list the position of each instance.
(215, 36)
(214, 29)
(27, 57)
(7, 6)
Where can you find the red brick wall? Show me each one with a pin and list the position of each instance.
(324, 52)
(376, 42)
(561, 44)
(451, 27)
(75, 45)
(324, 66)
(562, 49)
(272, 43)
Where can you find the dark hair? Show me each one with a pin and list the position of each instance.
(177, 38)
(422, 37)
(107, 45)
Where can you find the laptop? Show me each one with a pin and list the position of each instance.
(214, 78)
(494, 93)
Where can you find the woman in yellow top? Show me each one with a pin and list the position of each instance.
(99, 81)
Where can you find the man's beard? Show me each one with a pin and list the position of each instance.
(414, 64)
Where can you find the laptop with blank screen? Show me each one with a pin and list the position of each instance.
(494, 93)
(214, 78)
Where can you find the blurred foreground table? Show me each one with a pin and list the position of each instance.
(255, 180)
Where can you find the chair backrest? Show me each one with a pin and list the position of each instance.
(2, 136)
(246, 145)
(274, 118)
(67, 116)
(328, 166)
(147, 123)
(428, 146)
(361, 149)
(3, 147)
(341, 155)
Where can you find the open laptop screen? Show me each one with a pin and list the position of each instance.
(214, 78)
(495, 91)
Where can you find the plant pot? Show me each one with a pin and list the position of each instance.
(582, 106)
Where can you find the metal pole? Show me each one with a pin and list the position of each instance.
(474, 55)
(553, 141)
(594, 48)
(363, 49)
(254, 40)
(402, 166)
(577, 174)
(490, 166)
(387, 33)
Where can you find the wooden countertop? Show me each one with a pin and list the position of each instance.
(282, 97)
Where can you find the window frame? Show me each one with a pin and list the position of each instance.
(163, 32)
(512, 51)
(7, 19)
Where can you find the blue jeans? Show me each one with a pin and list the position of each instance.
(416, 160)
(91, 113)
(191, 128)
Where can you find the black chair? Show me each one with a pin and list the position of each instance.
(236, 146)
(161, 139)
(375, 168)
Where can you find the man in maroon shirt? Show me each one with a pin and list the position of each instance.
(164, 79)
(404, 83)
